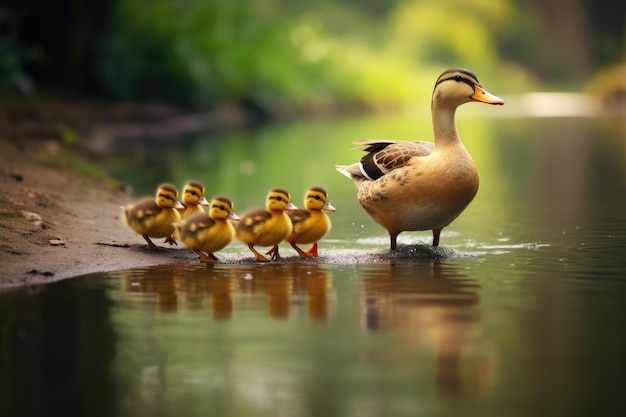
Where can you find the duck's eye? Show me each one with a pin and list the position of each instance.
(193, 193)
(457, 78)
(317, 197)
(279, 198)
(221, 207)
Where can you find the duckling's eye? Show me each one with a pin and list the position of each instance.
(193, 193)
(279, 198)
(222, 208)
(457, 78)
(318, 198)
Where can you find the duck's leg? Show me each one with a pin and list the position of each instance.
(313, 250)
(150, 244)
(203, 257)
(213, 257)
(274, 253)
(393, 239)
(436, 233)
(302, 253)
(258, 256)
(170, 239)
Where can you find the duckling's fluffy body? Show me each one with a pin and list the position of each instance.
(269, 227)
(311, 223)
(154, 217)
(409, 186)
(208, 233)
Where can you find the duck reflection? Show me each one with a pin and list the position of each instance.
(430, 306)
(287, 287)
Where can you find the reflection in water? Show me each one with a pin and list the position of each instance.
(194, 287)
(56, 350)
(429, 305)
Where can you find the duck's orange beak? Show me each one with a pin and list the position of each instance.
(483, 96)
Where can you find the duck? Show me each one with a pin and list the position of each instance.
(413, 186)
(154, 217)
(311, 223)
(266, 227)
(193, 198)
(207, 233)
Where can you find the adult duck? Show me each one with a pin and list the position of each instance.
(411, 186)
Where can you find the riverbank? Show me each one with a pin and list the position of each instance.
(58, 223)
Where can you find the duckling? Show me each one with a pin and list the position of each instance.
(193, 198)
(154, 217)
(259, 227)
(207, 233)
(410, 186)
(310, 224)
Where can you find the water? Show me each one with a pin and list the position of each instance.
(519, 314)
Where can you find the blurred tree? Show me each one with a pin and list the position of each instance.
(293, 56)
(68, 33)
(566, 50)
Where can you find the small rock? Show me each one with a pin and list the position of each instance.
(56, 242)
(34, 218)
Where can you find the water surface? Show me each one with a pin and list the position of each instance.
(519, 314)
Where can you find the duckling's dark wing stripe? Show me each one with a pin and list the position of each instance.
(298, 216)
(251, 219)
(202, 222)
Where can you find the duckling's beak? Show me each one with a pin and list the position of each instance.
(178, 205)
(482, 95)
(203, 202)
(232, 216)
(329, 207)
(291, 206)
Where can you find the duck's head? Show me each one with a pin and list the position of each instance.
(167, 197)
(279, 200)
(317, 199)
(222, 209)
(457, 86)
(193, 193)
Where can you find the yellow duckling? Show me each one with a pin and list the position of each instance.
(269, 227)
(408, 186)
(193, 198)
(207, 233)
(310, 224)
(154, 217)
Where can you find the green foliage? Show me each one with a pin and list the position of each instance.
(285, 56)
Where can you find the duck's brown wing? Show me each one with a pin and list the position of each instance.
(383, 156)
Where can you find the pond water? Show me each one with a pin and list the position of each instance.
(520, 313)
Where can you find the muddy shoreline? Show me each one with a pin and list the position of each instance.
(56, 224)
